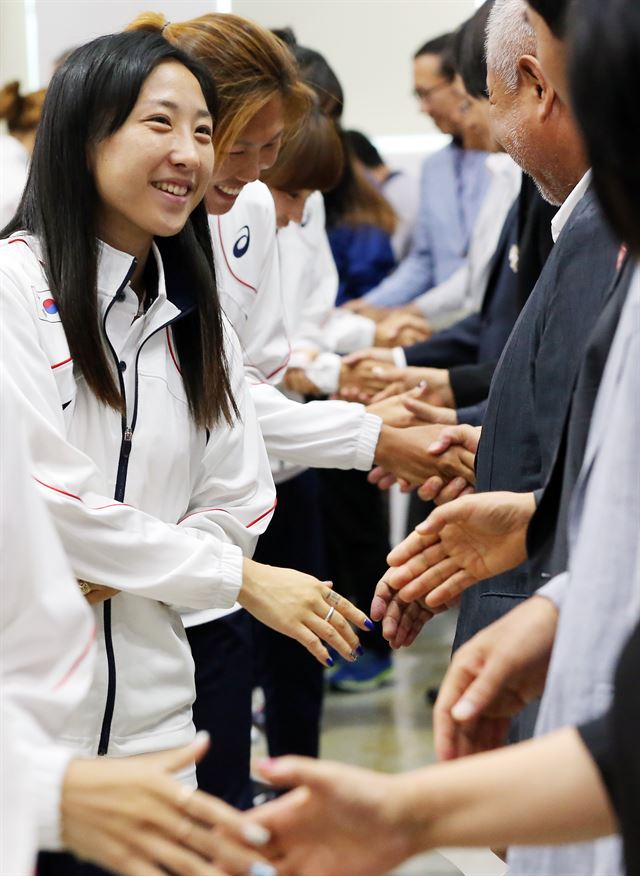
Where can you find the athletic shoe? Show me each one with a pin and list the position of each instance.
(369, 672)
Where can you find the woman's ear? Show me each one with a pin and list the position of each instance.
(533, 79)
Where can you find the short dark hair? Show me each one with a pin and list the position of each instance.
(605, 45)
(89, 98)
(469, 51)
(316, 71)
(363, 149)
(554, 13)
(439, 46)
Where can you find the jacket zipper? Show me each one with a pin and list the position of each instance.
(121, 483)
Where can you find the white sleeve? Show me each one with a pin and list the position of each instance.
(321, 296)
(320, 434)
(112, 543)
(555, 589)
(346, 332)
(47, 630)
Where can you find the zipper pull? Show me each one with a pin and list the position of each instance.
(126, 442)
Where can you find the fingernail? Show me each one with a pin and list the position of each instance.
(359, 650)
(433, 448)
(329, 661)
(463, 710)
(256, 835)
(200, 737)
(262, 869)
(328, 583)
(423, 528)
(369, 624)
(354, 656)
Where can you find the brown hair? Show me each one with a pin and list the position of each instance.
(248, 64)
(311, 159)
(21, 111)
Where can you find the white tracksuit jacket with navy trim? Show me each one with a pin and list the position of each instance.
(191, 508)
(47, 651)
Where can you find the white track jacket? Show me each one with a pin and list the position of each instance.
(147, 504)
(47, 646)
(319, 434)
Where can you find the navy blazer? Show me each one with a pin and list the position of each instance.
(532, 386)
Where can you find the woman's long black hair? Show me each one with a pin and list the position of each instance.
(604, 50)
(89, 99)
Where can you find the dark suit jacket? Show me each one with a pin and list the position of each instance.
(532, 387)
(471, 348)
(547, 538)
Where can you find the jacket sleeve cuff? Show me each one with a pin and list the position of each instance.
(50, 765)
(324, 372)
(555, 589)
(367, 442)
(228, 585)
(399, 357)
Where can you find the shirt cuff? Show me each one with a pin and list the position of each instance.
(399, 357)
(555, 589)
(50, 765)
(324, 372)
(228, 586)
(367, 442)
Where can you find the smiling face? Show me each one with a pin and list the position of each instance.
(256, 149)
(154, 170)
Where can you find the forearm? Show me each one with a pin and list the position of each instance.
(544, 791)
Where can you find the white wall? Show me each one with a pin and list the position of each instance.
(369, 42)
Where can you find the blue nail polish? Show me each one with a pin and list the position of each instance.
(262, 869)
(359, 650)
(329, 661)
(369, 624)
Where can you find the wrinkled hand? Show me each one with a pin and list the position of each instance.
(401, 329)
(343, 820)
(492, 677)
(297, 381)
(459, 544)
(131, 816)
(297, 605)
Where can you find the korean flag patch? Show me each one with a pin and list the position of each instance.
(46, 307)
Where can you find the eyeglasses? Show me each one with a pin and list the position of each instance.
(427, 93)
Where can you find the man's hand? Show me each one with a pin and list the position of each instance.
(401, 623)
(434, 489)
(461, 543)
(404, 453)
(406, 409)
(361, 381)
(359, 305)
(492, 677)
(401, 329)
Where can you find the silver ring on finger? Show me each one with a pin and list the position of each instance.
(330, 613)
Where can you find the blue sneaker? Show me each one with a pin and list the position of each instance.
(370, 672)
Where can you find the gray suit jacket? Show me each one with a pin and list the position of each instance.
(531, 389)
(599, 597)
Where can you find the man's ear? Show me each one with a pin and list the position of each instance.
(532, 78)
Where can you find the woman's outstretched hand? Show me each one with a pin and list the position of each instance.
(131, 816)
(303, 608)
